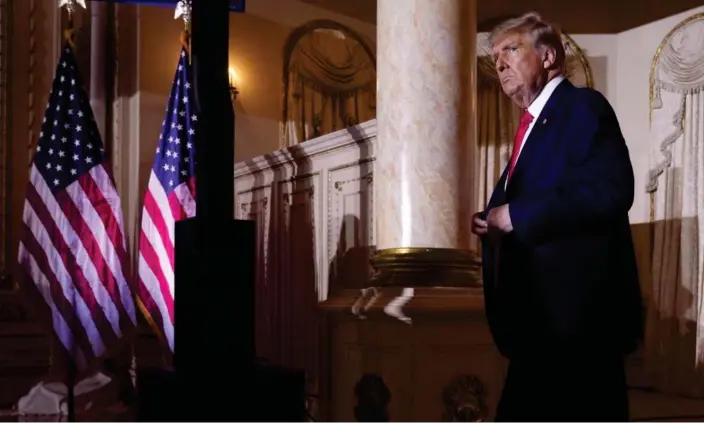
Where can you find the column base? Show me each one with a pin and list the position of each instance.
(414, 267)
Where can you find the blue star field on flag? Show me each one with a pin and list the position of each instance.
(69, 142)
(174, 162)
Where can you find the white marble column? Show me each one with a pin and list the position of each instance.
(426, 106)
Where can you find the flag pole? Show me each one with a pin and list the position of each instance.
(71, 399)
(183, 11)
(71, 371)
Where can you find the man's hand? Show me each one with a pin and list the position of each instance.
(499, 220)
(479, 226)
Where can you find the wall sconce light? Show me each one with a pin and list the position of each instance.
(232, 76)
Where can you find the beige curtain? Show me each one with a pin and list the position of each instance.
(497, 117)
(331, 85)
(674, 348)
(675, 340)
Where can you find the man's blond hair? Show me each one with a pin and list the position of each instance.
(542, 33)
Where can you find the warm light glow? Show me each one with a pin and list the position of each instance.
(233, 76)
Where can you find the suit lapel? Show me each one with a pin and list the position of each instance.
(533, 146)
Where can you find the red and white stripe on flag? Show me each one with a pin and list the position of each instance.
(72, 250)
(170, 197)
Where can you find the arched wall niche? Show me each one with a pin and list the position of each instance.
(328, 80)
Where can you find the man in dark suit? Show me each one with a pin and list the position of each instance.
(560, 282)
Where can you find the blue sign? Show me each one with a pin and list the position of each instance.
(235, 5)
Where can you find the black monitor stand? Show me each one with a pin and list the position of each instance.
(216, 375)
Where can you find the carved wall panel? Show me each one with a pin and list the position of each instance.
(333, 175)
(350, 234)
(254, 205)
(310, 189)
(300, 215)
(299, 277)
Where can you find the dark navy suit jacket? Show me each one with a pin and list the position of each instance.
(567, 276)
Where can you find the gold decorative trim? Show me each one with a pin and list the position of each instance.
(651, 93)
(426, 267)
(359, 162)
(299, 184)
(254, 189)
(368, 178)
(656, 57)
(299, 178)
(579, 54)
(254, 197)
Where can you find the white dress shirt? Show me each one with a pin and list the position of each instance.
(536, 107)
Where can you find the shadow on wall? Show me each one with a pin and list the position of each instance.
(290, 329)
(350, 268)
(299, 269)
(286, 327)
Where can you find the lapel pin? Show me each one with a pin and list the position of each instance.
(545, 121)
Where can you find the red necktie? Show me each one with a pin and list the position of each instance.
(526, 119)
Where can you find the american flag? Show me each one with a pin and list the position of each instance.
(73, 251)
(170, 197)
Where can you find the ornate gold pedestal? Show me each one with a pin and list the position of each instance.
(419, 332)
(426, 267)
